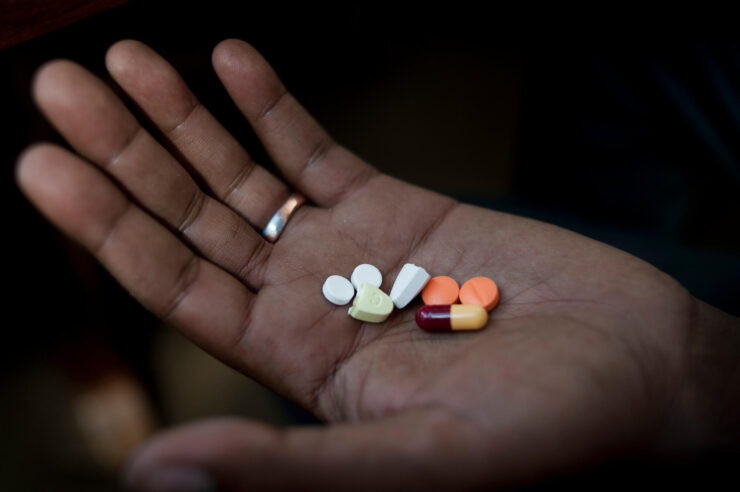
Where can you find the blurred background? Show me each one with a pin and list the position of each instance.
(624, 130)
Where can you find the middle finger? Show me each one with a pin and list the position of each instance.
(223, 164)
(97, 124)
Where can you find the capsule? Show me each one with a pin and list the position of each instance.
(454, 317)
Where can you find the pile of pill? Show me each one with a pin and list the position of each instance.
(440, 294)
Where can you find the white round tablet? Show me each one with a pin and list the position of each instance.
(338, 290)
(366, 273)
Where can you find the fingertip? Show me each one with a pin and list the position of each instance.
(224, 51)
(182, 454)
(42, 183)
(47, 76)
(233, 54)
(68, 192)
(201, 455)
(151, 81)
(42, 173)
(170, 478)
(30, 161)
(144, 471)
(247, 76)
(120, 55)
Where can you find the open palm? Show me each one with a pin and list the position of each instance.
(579, 361)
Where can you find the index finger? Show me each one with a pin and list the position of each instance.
(306, 155)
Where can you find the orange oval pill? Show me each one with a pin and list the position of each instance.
(480, 290)
(440, 290)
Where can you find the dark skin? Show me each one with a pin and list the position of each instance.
(591, 353)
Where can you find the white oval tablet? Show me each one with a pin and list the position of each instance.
(366, 273)
(338, 290)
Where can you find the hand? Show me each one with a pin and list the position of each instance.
(585, 358)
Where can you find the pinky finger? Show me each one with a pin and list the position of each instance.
(204, 302)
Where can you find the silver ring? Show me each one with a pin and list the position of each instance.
(275, 227)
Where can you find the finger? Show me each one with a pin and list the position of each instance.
(308, 158)
(417, 451)
(97, 124)
(222, 163)
(206, 303)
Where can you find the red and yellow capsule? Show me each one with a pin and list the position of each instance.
(454, 317)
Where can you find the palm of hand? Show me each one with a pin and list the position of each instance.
(577, 325)
(570, 353)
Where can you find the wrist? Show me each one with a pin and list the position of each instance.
(705, 415)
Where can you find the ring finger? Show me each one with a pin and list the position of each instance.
(224, 166)
(97, 124)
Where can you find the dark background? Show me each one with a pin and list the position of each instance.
(623, 127)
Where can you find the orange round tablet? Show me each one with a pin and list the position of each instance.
(480, 290)
(440, 290)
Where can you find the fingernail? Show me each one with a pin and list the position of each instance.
(170, 479)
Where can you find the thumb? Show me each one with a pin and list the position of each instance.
(419, 449)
